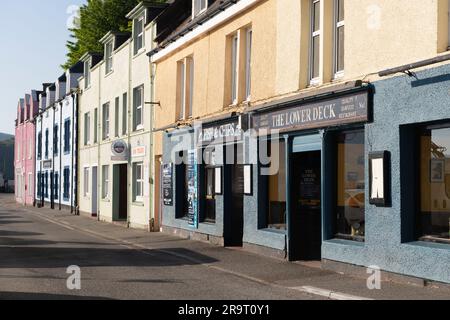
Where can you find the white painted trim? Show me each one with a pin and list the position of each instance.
(214, 22)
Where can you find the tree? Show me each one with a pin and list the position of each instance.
(96, 18)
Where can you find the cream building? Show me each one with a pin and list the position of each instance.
(312, 74)
(115, 126)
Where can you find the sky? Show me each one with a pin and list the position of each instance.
(32, 48)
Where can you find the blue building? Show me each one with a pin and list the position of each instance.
(358, 175)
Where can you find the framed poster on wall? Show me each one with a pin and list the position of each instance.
(379, 179)
(248, 180)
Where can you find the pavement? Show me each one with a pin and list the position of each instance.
(38, 245)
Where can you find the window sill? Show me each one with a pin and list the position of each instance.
(106, 200)
(272, 230)
(109, 73)
(313, 83)
(338, 76)
(139, 128)
(138, 204)
(139, 53)
(345, 242)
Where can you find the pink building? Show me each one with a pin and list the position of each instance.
(24, 157)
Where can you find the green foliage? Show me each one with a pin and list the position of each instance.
(97, 18)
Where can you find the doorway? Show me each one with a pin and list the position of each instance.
(94, 189)
(306, 206)
(120, 187)
(234, 216)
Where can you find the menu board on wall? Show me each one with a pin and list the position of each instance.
(167, 183)
(192, 191)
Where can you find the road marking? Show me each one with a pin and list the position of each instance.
(328, 293)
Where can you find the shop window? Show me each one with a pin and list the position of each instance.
(350, 222)
(433, 222)
(276, 185)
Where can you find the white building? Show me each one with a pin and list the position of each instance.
(56, 142)
(116, 122)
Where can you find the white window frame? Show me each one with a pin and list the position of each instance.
(87, 128)
(86, 181)
(185, 88)
(138, 125)
(138, 167)
(109, 48)
(139, 19)
(234, 68)
(199, 7)
(87, 73)
(338, 74)
(105, 182)
(106, 121)
(182, 90)
(248, 64)
(314, 34)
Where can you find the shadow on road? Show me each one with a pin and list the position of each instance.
(50, 257)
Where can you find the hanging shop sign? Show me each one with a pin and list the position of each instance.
(192, 191)
(228, 130)
(119, 149)
(350, 108)
(167, 184)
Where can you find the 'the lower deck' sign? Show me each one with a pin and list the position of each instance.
(351, 108)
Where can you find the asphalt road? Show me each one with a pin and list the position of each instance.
(35, 253)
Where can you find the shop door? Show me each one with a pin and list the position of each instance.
(234, 225)
(306, 211)
(120, 192)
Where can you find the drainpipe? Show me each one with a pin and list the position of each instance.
(130, 128)
(74, 199)
(151, 151)
(42, 185)
(99, 137)
(71, 161)
(34, 160)
(60, 155)
(52, 178)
